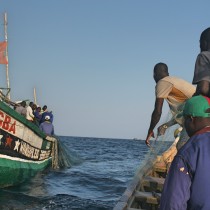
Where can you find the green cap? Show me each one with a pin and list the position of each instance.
(197, 106)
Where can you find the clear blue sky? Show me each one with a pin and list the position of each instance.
(92, 61)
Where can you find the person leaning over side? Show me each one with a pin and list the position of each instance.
(44, 113)
(187, 184)
(175, 91)
(47, 127)
(47, 113)
(202, 66)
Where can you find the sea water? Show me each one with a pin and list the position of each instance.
(101, 171)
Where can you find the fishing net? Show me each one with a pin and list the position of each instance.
(64, 159)
(60, 156)
(159, 145)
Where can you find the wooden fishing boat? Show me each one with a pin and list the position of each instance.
(144, 191)
(24, 148)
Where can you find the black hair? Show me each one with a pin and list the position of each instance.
(205, 35)
(44, 107)
(161, 69)
(23, 103)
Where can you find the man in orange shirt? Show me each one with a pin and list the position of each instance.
(175, 91)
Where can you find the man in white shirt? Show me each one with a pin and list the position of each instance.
(29, 112)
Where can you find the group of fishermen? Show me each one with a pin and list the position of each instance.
(187, 183)
(37, 115)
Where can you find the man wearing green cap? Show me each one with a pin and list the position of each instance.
(187, 183)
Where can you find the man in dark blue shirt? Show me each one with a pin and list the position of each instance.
(47, 127)
(187, 185)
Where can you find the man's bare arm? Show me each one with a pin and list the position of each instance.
(156, 114)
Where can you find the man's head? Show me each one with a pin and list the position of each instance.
(38, 108)
(23, 103)
(196, 114)
(31, 104)
(160, 71)
(34, 106)
(205, 40)
(44, 108)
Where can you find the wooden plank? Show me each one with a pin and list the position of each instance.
(154, 180)
(147, 197)
(160, 169)
(143, 191)
(152, 183)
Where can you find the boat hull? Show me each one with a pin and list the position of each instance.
(14, 171)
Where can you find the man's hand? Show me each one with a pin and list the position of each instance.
(149, 135)
(162, 129)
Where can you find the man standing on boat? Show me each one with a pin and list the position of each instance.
(21, 109)
(175, 91)
(45, 113)
(187, 183)
(29, 112)
(202, 66)
(47, 127)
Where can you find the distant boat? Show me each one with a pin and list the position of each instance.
(24, 148)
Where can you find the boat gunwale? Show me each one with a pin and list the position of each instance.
(127, 197)
(9, 111)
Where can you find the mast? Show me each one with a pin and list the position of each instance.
(35, 95)
(7, 65)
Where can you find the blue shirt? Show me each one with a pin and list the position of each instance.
(47, 127)
(44, 114)
(37, 115)
(187, 185)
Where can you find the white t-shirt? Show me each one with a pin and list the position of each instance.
(29, 113)
(176, 91)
